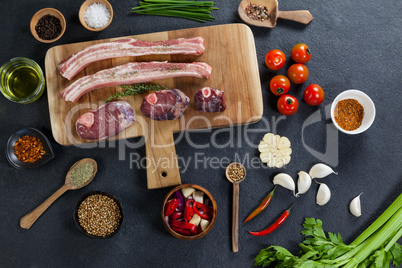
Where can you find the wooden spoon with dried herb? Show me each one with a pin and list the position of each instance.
(79, 175)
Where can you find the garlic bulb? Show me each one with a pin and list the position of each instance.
(354, 206)
(303, 183)
(320, 171)
(275, 150)
(285, 181)
(323, 194)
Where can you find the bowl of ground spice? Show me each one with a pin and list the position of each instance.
(48, 25)
(98, 215)
(95, 15)
(28, 148)
(352, 112)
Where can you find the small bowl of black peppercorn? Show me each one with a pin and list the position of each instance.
(48, 25)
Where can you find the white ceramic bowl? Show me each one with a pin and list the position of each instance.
(365, 101)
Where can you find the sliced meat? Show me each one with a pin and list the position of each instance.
(106, 121)
(133, 73)
(165, 104)
(128, 47)
(210, 100)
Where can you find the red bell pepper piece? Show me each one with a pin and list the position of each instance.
(202, 210)
(176, 215)
(188, 213)
(171, 206)
(190, 202)
(184, 225)
(181, 231)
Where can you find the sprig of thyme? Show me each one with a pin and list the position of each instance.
(130, 90)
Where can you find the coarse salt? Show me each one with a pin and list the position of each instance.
(97, 15)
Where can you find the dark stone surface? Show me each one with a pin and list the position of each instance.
(355, 45)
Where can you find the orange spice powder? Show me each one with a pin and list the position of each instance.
(28, 149)
(349, 114)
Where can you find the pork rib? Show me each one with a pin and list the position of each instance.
(133, 73)
(128, 48)
(106, 121)
(165, 104)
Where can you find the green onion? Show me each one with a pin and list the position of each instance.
(188, 9)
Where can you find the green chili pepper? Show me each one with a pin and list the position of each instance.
(262, 206)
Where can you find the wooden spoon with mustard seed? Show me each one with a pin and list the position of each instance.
(235, 173)
(302, 16)
(28, 220)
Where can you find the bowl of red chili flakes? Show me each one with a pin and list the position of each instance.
(352, 111)
(28, 148)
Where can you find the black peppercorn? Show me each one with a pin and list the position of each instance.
(48, 27)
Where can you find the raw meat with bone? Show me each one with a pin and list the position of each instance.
(210, 100)
(106, 121)
(128, 47)
(165, 104)
(133, 73)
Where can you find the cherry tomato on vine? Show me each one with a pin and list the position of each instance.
(287, 104)
(275, 59)
(298, 73)
(279, 85)
(300, 53)
(313, 95)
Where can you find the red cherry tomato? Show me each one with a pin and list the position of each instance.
(313, 95)
(287, 104)
(275, 59)
(298, 73)
(279, 85)
(300, 53)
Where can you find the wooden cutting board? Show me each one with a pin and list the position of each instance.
(230, 50)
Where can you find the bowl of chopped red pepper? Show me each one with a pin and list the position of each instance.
(189, 212)
(28, 148)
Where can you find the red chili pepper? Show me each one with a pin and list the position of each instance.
(171, 206)
(176, 215)
(198, 208)
(190, 202)
(184, 225)
(188, 213)
(264, 204)
(276, 224)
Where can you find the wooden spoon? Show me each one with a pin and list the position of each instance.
(235, 211)
(302, 16)
(28, 220)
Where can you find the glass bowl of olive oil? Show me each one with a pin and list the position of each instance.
(22, 80)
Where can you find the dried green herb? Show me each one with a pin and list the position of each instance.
(130, 90)
(81, 174)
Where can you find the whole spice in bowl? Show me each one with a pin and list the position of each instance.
(257, 12)
(99, 215)
(48, 25)
(189, 212)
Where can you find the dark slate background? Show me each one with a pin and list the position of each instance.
(355, 45)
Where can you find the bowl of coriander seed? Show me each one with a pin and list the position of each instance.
(98, 215)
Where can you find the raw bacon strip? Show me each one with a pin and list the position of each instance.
(133, 73)
(165, 104)
(210, 100)
(128, 48)
(106, 121)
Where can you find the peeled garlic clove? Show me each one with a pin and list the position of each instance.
(279, 162)
(355, 207)
(277, 139)
(286, 159)
(303, 183)
(269, 139)
(320, 171)
(285, 151)
(323, 194)
(285, 181)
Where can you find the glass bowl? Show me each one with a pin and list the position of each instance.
(22, 80)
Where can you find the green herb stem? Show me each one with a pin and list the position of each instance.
(131, 90)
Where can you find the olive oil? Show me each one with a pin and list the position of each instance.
(22, 81)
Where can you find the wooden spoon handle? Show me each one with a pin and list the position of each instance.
(302, 16)
(28, 220)
(235, 218)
